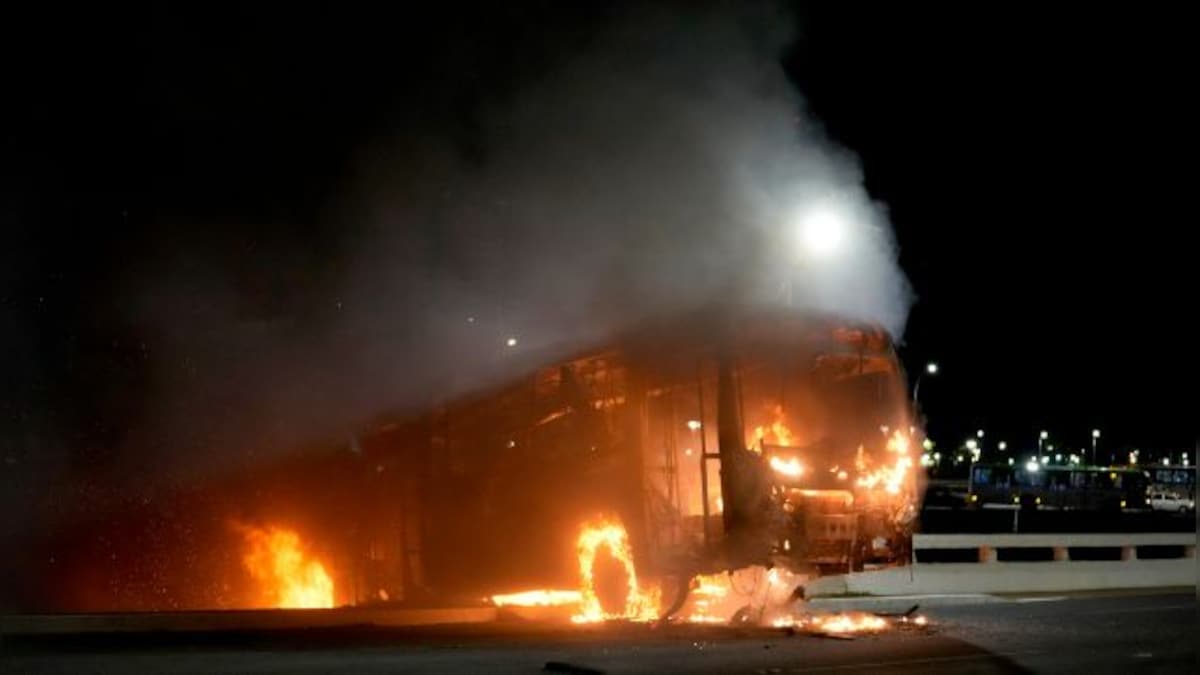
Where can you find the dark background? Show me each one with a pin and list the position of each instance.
(1031, 161)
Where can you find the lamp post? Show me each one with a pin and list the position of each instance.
(1042, 436)
(931, 369)
(1095, 438)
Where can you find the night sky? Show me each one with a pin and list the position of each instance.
(166, 170)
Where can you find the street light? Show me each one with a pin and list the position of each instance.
(822, 231)
(931, 369)
(1002, 446)
(1042, 439)
(1095, 438)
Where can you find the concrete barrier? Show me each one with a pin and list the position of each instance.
(1059, 572)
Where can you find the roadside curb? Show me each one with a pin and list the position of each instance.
(900, 603)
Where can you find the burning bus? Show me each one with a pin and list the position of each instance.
(654, 474)
(781, 440)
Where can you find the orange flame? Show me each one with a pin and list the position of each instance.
(891, 478)
(640, 605)
(288, 576)
(847, 622)
(788, 467)
(776, 433)
(537, 598)
(708, 595)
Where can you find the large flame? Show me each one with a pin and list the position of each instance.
(775, 433)
(890, 477)
(288, 577)
(640, 604)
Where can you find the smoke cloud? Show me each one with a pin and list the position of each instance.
(664, 164)
(655, 162)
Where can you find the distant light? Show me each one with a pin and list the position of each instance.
(1050, 447)
(979, 434)
(937, 456)
(928, 444)
(842, 475)
(1010, 461)
(511, 342)
(1095, 433)
(1002, 445)
(1032, 466)
(1058, 457)
(1046, 459)
(687, 451)
(1044, 435)
(884, 429)
(694, 425)
(931, 368)
(470, 319)
(971, 444)
(512, 444)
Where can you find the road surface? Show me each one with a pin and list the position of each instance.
(1109, 633)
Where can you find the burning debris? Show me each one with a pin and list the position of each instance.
(538, 598)
(640, 604)
(287, 575)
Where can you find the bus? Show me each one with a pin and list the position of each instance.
(1178, 481)
(1057, 487)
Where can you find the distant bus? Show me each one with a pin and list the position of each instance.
(1179, 481)
(1057, 487)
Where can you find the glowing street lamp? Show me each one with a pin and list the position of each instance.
(1042, 439)
(931, 369)
(1095, 438)
(822, 232)
(1002, 446)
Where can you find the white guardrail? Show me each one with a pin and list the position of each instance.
(1067, 566)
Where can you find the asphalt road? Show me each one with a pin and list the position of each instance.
(1113, 633)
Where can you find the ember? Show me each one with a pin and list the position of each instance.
(289, 578)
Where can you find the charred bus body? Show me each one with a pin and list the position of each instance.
(774, 439)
